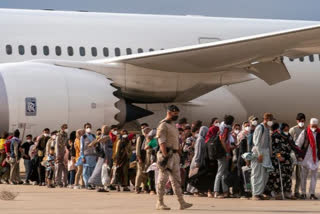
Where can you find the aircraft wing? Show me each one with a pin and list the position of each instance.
(260, 55)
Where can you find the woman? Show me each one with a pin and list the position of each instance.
(242, 149)
(79, 178)
(122, 159)
(151, 147)
(197, 175)
(282, 146)
(103, 145)
(4, 169)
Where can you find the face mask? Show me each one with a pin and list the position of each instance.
(29, 141)
(301, 124)
(88, 130)
(313, 129)
(196, 135)
(270, 123)
(66, 130)
(217, 124)
(248, 128)
(174, 118)
(133, 140)
(114, 132)
(286, 133)
(124, 136)
(53, 137)
(46, 135)
(254, 123)
(237, 131)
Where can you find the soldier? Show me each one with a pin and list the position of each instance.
(61, 173)
(169, 159)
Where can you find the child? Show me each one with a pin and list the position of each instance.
(71, 153)
(50, 168)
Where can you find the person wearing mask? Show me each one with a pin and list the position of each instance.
(4, 166)
(254, 121)
(114, 137)
(103, 146)
(141, 177)
(282, 146)
(41, 148)
(198, 163)
(261, 165)
(26, 158)
(61, 169)
(50, 165)
(233, 169)
(79, 178)
(71, 159)
(133, 160)
(122, 159)
(15, 156)
(242, 149)
(309, 143)
(88, 155)
(295, 132)
(151, 147)
(51, 142)
(168, 159)
(223, 162)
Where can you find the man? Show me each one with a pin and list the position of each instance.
(169, 159)
(27, 160)
(295, 133)
(15, 156)
(61, 170)
(141, 177)
(41, 147)
(87, 154)
(261, 165)
(253, 124)
(309, 142)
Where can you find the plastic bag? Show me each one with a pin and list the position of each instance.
(105, 175)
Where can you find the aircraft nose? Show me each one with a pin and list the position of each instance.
(4, 106)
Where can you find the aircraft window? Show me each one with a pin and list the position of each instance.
(151, 49)
(105, 52)
(33, 50)
(46, 50)
(301, 59)
(58, 51)
(117, 51)
(140, 50)
(82, 51)
(311, 58)
(21, 49)
(129, 51)
(9, 49)
(70, 51)
(291, 59)
(94, 51)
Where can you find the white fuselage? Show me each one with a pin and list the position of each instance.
(80, 36)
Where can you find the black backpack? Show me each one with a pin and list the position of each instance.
(215, 149)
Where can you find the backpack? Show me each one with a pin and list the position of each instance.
(215, 149)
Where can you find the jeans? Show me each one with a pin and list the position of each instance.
(221, 175)
(72, 176)
(27, 166)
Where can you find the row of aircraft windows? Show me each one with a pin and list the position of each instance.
(70, 51)
(301, 59)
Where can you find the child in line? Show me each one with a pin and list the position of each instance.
(50, 168)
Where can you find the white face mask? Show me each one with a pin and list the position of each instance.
(237, 131)
(88, 130)
(270, 123)
(114, 132)
(217, 124)
(124, 136)
(248, 128)
(133, 140)
(254, 123)
(313, 129)
(286, 133)
(301, 124)
(196, 135)
(53, 137)
(45, 134)
(29, 141)
(66, 130)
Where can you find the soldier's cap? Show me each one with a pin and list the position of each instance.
(173, 108)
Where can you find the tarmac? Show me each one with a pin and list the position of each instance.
(41, 200)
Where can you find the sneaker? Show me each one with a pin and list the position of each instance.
(303, 197)
(313, 197)
(26, 183)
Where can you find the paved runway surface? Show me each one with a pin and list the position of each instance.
(34, 199)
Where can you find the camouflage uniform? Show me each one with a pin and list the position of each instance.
(168, 134)
(61, 173)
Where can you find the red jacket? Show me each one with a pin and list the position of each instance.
(213, 131)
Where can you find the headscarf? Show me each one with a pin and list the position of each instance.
(130, 136)
(79, 133)
(202, 133)
(105, 130)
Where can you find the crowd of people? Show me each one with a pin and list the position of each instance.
(248, 160)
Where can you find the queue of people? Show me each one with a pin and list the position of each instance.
(248, 160)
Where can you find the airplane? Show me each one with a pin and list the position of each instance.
(76, 67)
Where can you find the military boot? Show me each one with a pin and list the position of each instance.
(161, 206)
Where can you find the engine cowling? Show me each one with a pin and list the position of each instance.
(36, 95)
